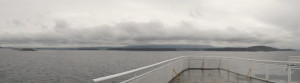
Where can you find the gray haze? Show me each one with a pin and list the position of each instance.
(126, 22)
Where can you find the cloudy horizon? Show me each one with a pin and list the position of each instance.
(65, 23)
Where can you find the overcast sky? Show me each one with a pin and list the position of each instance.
(129, 22)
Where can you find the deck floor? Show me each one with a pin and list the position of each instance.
(213, 76)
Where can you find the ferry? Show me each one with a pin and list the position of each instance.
(208, 69)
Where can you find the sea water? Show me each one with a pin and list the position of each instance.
(81, 66)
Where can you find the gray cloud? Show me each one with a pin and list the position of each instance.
(153, 32)
(119, 22)
(17, 22)
(61, 24)
(284, 14)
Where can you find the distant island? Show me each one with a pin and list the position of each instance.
(26, 49)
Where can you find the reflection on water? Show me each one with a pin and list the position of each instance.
(63, 66)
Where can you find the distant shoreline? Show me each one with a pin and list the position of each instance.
(164, 48)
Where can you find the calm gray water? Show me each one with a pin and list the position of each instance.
(70, 66)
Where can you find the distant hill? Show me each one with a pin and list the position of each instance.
(195, 48)
(169, 46)
(252, 48)
(144, 49)
(74, 48)
(262, 48)
(163, 47)
(26, 49)
(57, 48)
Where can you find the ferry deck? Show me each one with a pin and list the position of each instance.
(196, 69)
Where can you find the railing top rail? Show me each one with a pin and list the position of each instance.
(135, 70)
(256, 60)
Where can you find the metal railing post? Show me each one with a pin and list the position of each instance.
(189, 62)
(154, 76)
(135, 81)
(267, 71)
(220, 63)
(289, 73)
(202, 66)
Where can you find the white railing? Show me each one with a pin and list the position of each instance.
(164, 71)
(261, 69)
(136, 70)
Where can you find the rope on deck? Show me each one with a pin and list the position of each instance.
(202, 66)
(250, 69)
(177, 75)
